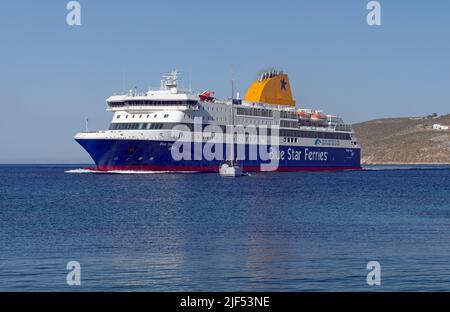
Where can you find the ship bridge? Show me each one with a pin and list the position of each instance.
(168, 96)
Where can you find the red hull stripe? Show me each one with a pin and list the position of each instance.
(216, 168)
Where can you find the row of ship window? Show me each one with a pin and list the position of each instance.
(136, 126)
(140, 116)
(240, 111)
(288, 115)
(288, 124)
(267, 122)
(157, 126)
(290, 140)
(254, 112)
(217, 108)
(315, 134)
(147, 102)
(282, 132)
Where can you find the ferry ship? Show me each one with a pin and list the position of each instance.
(147, 128)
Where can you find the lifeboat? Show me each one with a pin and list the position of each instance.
(207, 96)
(304, 115)
(318, 118)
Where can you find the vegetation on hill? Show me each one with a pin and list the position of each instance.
(404, 140)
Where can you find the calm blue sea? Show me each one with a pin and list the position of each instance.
(201, 232)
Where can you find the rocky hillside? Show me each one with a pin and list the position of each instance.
(404, 140)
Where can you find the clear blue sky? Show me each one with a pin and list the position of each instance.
(54, 76)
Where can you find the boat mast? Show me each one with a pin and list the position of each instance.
(231, 146)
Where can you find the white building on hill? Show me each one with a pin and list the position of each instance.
(440, 127)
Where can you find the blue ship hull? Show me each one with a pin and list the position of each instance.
(111, 155)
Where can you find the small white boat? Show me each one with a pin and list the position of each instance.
(230, 169)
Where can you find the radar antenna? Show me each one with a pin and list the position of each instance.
(171, 79)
